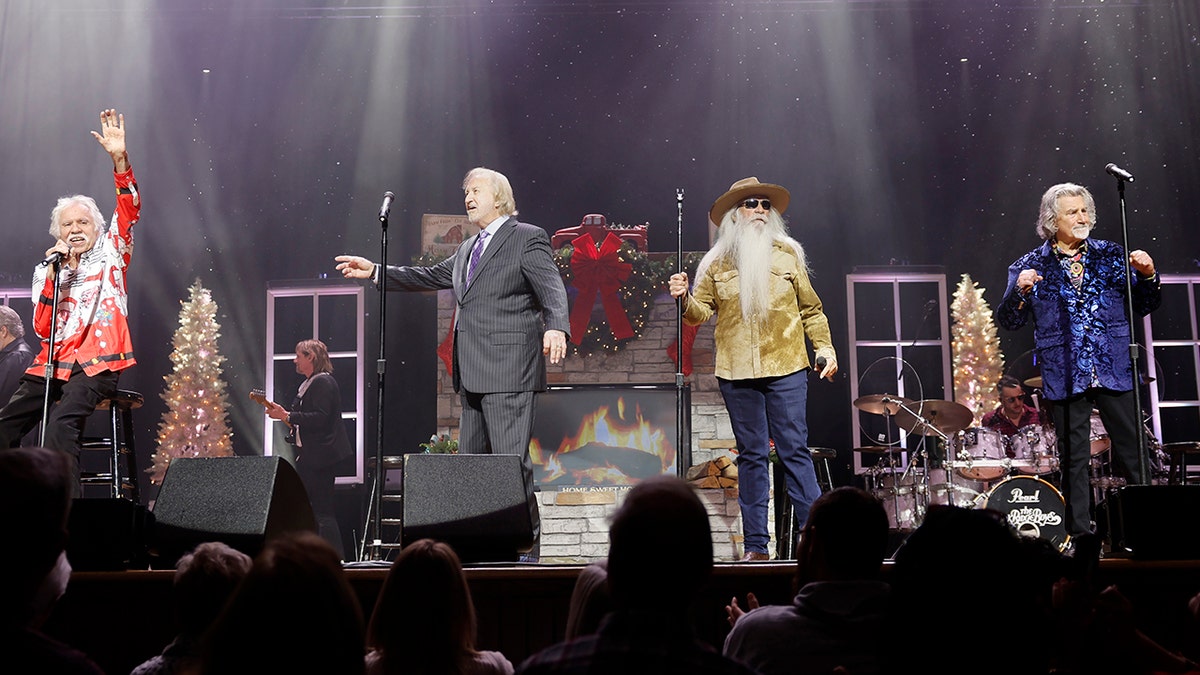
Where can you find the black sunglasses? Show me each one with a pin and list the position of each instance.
(753, 203)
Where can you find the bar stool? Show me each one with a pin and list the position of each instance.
(121, 475)
(786, 528)
(1178, 452)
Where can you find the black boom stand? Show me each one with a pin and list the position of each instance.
(55, 267)
(1138, 422)
(374, 513)
(680, 401)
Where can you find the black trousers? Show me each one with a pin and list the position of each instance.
(1072, 421)
(71, 403)
(319, 483)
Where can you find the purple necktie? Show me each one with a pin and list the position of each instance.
(475, 253)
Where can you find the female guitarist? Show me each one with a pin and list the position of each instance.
(315, 420)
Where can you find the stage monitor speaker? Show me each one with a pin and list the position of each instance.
(1153, 522)
(108, 534)
(475, 503)
(241, 501)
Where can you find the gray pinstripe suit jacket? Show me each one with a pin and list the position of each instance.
(515, 296)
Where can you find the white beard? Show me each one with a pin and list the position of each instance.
(748, 244)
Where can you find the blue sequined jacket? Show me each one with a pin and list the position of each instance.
(1081, 335)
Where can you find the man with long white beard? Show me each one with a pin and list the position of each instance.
(755, 279)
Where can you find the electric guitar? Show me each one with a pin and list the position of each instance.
(260, 397)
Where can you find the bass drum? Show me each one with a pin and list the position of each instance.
(1032, 508)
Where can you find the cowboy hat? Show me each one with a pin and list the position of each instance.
(749, 187)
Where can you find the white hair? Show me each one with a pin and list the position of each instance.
(65, 203)
(748, 249)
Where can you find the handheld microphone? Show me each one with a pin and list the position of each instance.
(54, 258)
(387, 205)
(821, 363)
(1118, 172)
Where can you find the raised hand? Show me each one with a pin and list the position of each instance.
(112, 138)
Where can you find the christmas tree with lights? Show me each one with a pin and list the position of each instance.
(978, 362)
(194, 424)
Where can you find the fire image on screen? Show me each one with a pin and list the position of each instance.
(603, 437)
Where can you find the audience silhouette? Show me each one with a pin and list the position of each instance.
(205, 578)
(424, 619)
(293, 613)
(590, 601)
(36, 485)
(649, 629)
(838, 615)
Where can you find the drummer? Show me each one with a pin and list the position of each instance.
(1013, 413)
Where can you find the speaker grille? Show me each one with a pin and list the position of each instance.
(475, 503)
(241, 501)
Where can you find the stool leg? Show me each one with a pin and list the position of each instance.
(131, 471)
(825, 476)
(114, 460)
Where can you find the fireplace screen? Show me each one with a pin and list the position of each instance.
(607, 435)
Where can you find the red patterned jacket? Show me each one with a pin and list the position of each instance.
(93, 312)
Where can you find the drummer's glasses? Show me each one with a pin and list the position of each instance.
(1010, 399)
(752, 204)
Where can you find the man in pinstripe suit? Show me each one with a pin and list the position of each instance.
(511, 314)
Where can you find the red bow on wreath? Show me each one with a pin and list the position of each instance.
(599, 271)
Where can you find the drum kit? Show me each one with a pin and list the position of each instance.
(908, 491)
(983, 468)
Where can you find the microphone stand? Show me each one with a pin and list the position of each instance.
(680, 407)
(1138, 422)
(374, 512)
(56, 267)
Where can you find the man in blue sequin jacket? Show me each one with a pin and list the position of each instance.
(1075, 290)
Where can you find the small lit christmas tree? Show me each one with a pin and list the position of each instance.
(978, 362)
(194, 424)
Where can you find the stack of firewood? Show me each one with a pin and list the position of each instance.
(716, 473)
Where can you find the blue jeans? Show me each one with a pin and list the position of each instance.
(762, 410)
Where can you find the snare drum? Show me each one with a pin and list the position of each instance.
(1032, 508)
(1099, 435)
(980, 454)
(900, 495)
(948, 488)
(1035, 449)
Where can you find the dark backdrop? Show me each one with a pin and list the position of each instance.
(264, 134)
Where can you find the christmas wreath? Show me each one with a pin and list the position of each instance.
(614, 274)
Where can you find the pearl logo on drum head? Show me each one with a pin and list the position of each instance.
(1032, 508)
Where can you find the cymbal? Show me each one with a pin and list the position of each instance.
(873, 403)
(947, 417)
(878, 449)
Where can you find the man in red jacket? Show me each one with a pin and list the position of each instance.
(88, 261)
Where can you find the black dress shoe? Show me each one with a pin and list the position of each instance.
(755, 556)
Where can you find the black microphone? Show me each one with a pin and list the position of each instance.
(54, 258)
(1118, 172)
(387, 205)
(821, 362)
